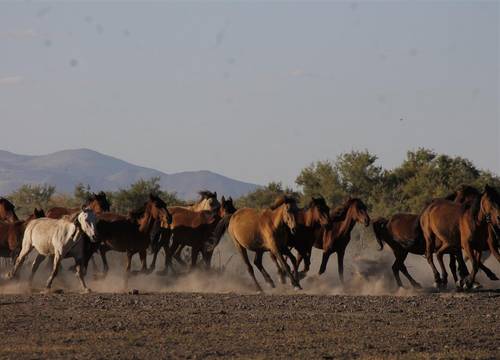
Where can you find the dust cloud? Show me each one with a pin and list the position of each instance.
(367, 271)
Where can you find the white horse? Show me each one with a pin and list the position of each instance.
(51, 237)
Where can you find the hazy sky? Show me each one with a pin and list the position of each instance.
(254, 91)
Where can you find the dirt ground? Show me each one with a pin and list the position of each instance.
(219, 315)
(196, 325)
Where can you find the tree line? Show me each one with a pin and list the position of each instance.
(422, 176)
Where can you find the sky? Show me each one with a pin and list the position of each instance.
(252, 90)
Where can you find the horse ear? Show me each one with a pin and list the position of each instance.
(230, 199)
(215, 194)
(223, 199)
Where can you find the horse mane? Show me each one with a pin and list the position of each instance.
(340, 211)
(10, 206)
(493, 194)
(72, 217)
(283, 199)
(319, 202)
(206, 194)
(157, 201)
(137, 214)
(101, 198)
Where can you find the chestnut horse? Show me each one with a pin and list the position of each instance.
(208, 201)
(97, 202)
(11, 235)
(403, 234)
(449, 227)
(132, 235)
(7, 211)
(261, 231)
(190, 228)
(337, 235)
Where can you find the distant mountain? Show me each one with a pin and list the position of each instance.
(66, 168)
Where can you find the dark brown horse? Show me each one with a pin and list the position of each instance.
(190, 228)
(132, 235)
(403, 234)
(261, 231)
(449, 227)
(7, 211)
(337, 235)
(11, 235)
(97, 202)
(310, 228)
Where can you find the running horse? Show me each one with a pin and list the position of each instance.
(449, 227)
(403, 234)
(11, 235)
(337, 234)
(56, 237)
(261, 231)
(97, 202)
(132, 235)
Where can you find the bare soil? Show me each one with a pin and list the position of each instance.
(201, 325)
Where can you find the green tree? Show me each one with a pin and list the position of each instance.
(27, 197)
(81, 193)
(264, 196)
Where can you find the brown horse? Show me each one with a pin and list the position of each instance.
(190, 228)
(208, 201)
(11, 235)
(7, 211)
(449, 227)
(132, 235)
(97, 202)
(337, 235)
(403, 234)
(310, 227)
(261, 231)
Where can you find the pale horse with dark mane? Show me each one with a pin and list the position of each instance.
(57, 237)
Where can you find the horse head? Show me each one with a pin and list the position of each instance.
(87, 221)
(490, 205)
(208, 201)
(226, 206)
(359, 211)
(320, 211)
(288, 206)
(99, 202)
(7, 210)
(380, 230)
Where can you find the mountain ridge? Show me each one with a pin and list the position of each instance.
(66, 168)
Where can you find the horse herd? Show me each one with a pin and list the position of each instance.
(468, 220)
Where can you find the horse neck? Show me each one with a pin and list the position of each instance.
(146, 223)
(308, 217)
(345, 226)
(277, 219)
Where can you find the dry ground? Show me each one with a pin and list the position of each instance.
(196, 325)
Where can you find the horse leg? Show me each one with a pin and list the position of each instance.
(178, 257)
(258, 262)
(105, 267)
(143, 256)
(324, 261)
(295, 264)
(194, 256)
(404, 270)
(490, 274)
(20, 259)
(55, 270)
(244, 255)
(285, 266)
(281, 272)
(453, 267)
(80, 274)
(340, 260)
(429, 249)
(439, 256)
(475, 261)
(395, 268)
(34, 267)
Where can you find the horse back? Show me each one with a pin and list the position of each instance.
(49, 236)
(404, 229)
(247, 226)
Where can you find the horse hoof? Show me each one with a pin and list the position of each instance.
(297, 288)
(476, 286)
(86, 291)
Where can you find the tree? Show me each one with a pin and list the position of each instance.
(81, 193)
(321, 179)
(125, 200)
(29, 196)
(265, 196)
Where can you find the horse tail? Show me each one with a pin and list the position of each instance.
(379, 228)
(219, 231)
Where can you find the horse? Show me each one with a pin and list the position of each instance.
(403, 234)
(190, 228)
(97, 202)
(11, 235)
(310, 226)
(7, 211)
(132, 235)
(208, 201)
(449, 227)
(56, 237)
(261, 231)
(337, 234)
